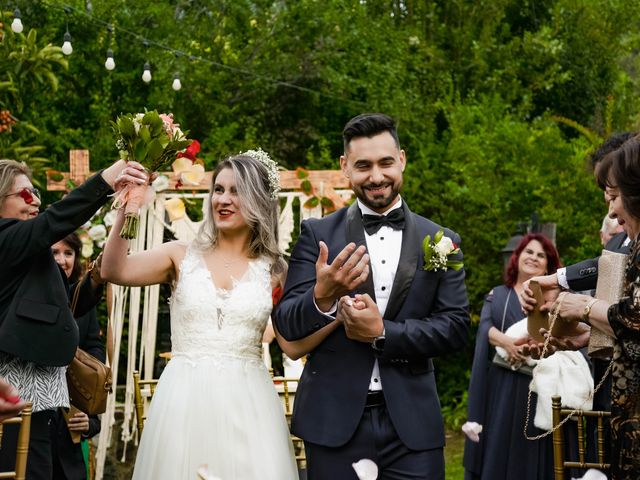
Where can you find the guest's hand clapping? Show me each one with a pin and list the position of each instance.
(360, 317)
(348, 270)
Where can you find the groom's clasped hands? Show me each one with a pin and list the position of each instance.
(348, 270)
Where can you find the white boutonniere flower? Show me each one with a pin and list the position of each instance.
(438, 251)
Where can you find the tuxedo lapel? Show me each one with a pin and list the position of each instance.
(407, 265)
(355, 234)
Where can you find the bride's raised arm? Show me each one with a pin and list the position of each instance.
(299, 348)
(145, 268)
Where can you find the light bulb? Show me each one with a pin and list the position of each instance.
(109, 63)
(16, 25)
(176, 85)
(67, 49)
(146, 75)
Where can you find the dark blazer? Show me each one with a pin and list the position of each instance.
(67, 456)
(584, 275)
(427, 315)
(36, 323)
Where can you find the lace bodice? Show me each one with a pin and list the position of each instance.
(209, 321)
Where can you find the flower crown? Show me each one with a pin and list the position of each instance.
(272, 169)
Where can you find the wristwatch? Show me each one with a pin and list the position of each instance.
(378, 342)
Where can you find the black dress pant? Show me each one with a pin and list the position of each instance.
(39, 464)
(376, 439)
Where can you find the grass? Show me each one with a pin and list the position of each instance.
(453, 455)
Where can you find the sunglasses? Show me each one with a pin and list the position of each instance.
(27, 194)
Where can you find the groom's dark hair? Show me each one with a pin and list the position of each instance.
(369, 125)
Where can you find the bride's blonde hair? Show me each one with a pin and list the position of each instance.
(258, 207)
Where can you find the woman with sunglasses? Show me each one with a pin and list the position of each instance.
(38, 334)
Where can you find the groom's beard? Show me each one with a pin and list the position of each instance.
(378, 200)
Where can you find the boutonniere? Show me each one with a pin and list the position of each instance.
(438, 251)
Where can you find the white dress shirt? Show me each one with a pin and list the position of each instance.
(384, 254)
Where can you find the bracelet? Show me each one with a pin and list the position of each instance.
(587, 310)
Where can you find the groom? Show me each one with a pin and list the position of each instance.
(368, 390)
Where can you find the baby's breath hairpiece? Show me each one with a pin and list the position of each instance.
(272, 169)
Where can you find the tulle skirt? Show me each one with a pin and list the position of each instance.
(219, 411)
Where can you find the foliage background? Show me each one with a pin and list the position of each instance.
(477, 87)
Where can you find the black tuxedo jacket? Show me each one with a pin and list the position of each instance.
(584, 275)
(36, 323)
(427, 315)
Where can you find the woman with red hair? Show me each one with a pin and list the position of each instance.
(498, 396)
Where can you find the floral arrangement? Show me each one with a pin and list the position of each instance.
(153, 140)
(93, 234)
(437, 253)
(272, 169)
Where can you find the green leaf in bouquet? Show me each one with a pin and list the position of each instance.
(144, 133)
(125, 126)
(438, 236)
(151, 117)
(154, 149)
(140, 152)
(455, 265)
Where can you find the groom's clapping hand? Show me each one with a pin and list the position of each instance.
(360, 317)
(348, 270)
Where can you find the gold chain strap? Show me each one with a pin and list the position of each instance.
(552, 319)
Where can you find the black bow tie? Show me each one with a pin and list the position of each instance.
(372, 223)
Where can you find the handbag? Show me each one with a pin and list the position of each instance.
(88, 379)
(611, 271)
(523, 368)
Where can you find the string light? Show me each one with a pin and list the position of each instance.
(177, 84)
(146, 73)
(67, 49)
(193, 58)
(16, 25)
(109, 63)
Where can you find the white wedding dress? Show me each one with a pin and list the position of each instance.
(215, 403)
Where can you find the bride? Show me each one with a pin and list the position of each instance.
(215, 403)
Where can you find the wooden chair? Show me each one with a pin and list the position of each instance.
(560, 463)
(143, 391)
(286, 388)
(22, 450)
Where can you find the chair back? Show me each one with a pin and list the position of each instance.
(22, 450)
(561, 438)
(286, 388)
(143, 391)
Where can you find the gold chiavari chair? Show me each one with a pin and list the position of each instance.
(286, 388)
(22, 450)
(560, 463)
(143, 391)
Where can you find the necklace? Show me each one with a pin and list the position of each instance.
(227, 263)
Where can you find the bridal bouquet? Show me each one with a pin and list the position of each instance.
(153, 140)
